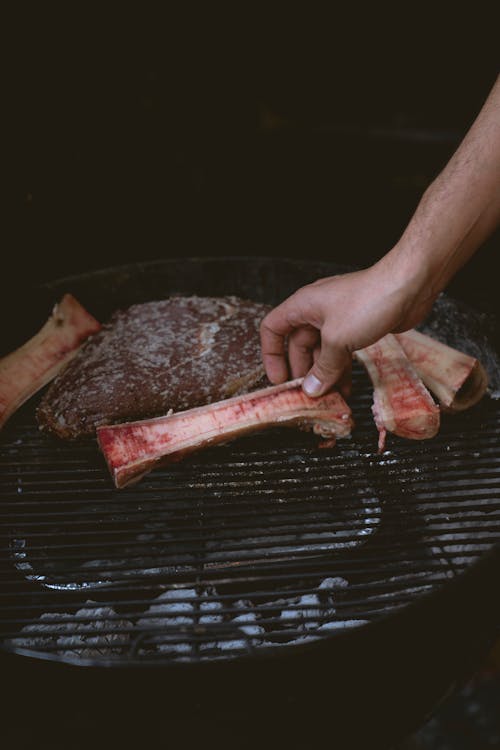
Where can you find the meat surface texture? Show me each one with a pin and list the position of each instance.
(176, 353)
(33, 365)
(457, 380)
(401, 402)
(133, 449)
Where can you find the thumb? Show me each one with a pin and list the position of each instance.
(326, 371)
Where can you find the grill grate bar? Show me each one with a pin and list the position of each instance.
(362, 566)
(373, 587)
(179, 637)
(322, 610)
(433, 508)
(363, 524)
(253, 571)
(162, 513)
(258, 545)
(320, 617)
(354, 477)
(183, 510)
(333, 480)
(183, 514)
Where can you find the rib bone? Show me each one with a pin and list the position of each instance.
(401, 402)
(33, 365)
(457, 380)
(134, 448)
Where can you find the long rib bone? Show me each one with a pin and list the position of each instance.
(401, 402)
(134, 448)
(33, 365)
(457, 380)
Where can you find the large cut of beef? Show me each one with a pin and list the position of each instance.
(176, 354)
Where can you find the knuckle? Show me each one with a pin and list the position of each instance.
(328, 369)
(304, 337)
(329, 341)
(266, 327)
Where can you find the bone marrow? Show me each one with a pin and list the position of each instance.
(457, 380)
(26, 370)
(133, 449)
(401, 403)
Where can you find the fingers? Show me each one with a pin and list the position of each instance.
(300, 318)
(301, 345)
(274, 328)
(273, 354)
(331, 366)
(345, 383)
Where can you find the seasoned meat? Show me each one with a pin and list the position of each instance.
(176, 353)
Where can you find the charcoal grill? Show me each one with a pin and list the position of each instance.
(261, 567)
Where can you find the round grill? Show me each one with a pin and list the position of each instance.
(265, 543)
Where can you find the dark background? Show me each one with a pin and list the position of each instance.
(163, 140)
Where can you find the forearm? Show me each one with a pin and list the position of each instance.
(325, 322)
(458, 211)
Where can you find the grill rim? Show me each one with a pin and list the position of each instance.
(148, 265)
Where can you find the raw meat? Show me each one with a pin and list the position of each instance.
(401, 402)
(133, 449)
(33, 365)
(457, 380)
(177, 353)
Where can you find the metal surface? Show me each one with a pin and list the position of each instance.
(262, 545)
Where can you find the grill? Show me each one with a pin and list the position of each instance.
(267, 542)
(255, 548)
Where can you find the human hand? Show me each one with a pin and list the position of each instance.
(325, 322)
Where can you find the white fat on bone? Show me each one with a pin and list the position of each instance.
(26, 370)
(457, 380)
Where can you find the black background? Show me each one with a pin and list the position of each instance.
(141, 138)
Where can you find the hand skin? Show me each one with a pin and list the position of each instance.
(325, 322)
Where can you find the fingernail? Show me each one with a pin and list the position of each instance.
(311, 385)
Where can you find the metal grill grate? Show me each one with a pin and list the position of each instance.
(264, 543)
